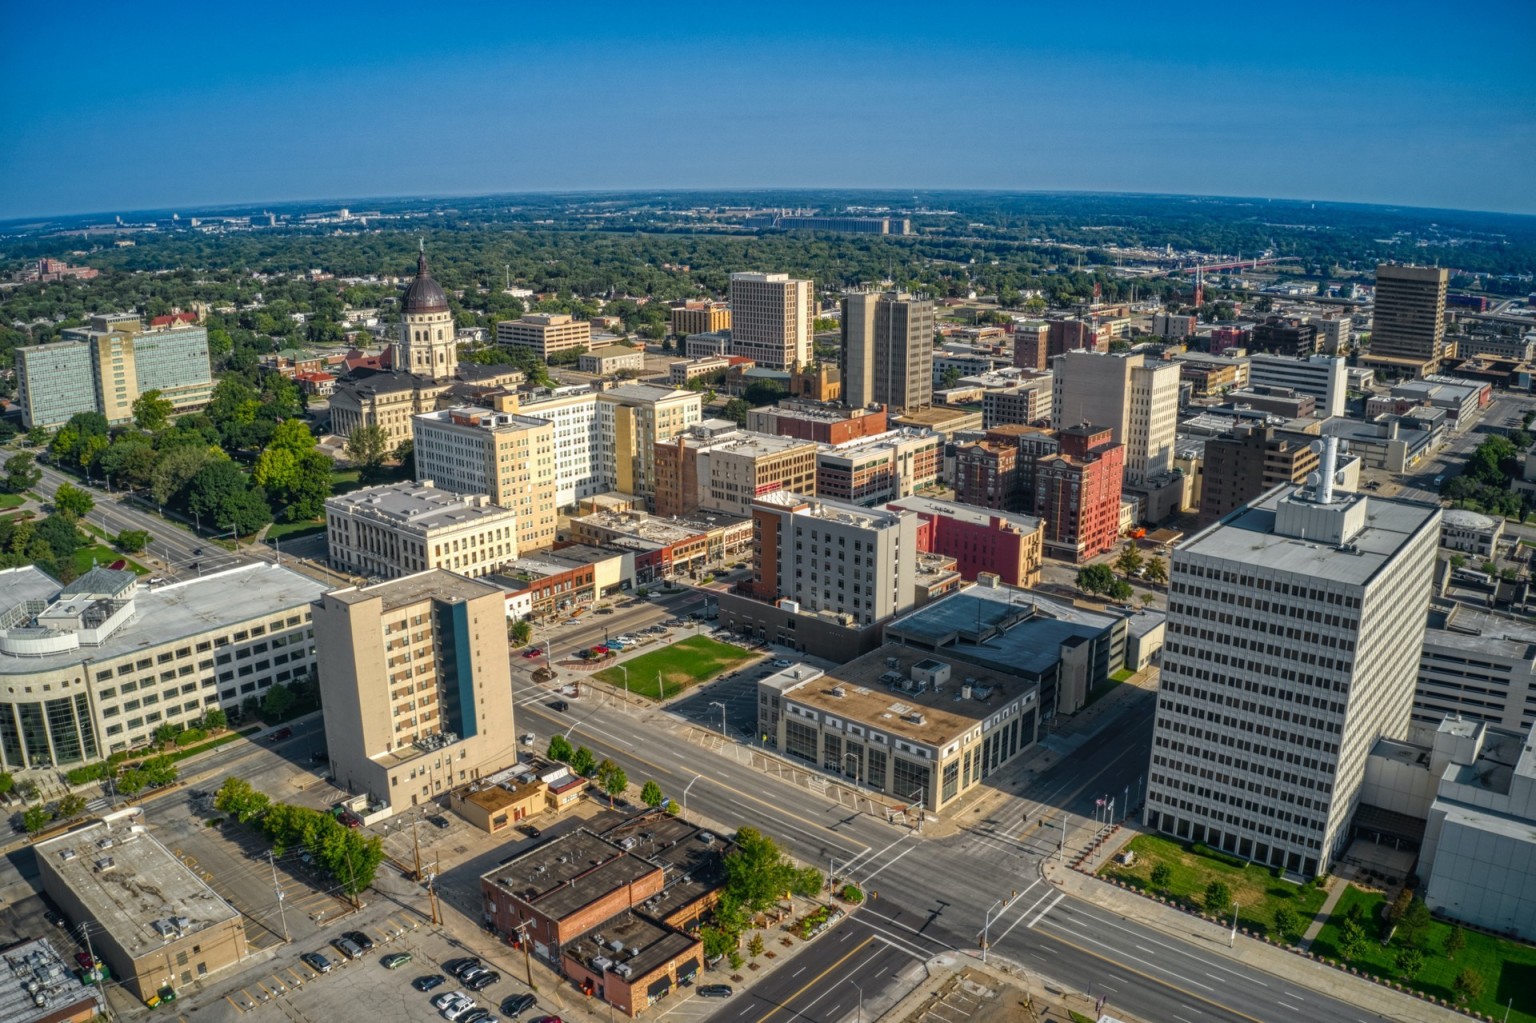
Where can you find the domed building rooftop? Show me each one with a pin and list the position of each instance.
(424, 294)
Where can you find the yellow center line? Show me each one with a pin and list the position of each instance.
(816, 979)
(1156, 980)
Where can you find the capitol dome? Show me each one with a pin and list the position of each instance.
(424, 294)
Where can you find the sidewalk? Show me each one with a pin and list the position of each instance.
(1213, 938)
(959, 986)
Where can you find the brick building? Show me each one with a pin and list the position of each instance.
(821, 422)
(987, 475)
(1077, 493)
(980, 541)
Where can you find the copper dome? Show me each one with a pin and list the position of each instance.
(424, 294)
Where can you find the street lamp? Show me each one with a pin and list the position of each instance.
(860, 1017)
(685, 791)
(986, 930)
(717, 703)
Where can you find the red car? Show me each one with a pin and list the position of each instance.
(533, 651)
(350, 819)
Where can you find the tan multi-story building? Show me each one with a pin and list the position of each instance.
(152, 918)
(771, 319)
(1408, 320)
(632, 419)
(685, 371)
(612, 359)
(403, 528)
(1138, 400)
(887, 350)
(714, 466)
(416, 685)
(545, 333)
(1252, 461)
(870, 471)
(507, 456)
(700, 317)
(572, 410)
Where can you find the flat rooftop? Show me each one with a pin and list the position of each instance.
(420, 507)
(129, 883)
(867, 690)
(654, 530)
(570, 872)
(166, 613)
(37, 962)
(1003, 628)
(642, 945)
(693, 867)
(1248, 536)
(966, 513)
(433, 584)
(1465, 627)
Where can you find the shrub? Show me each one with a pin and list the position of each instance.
(87, 773)
(852, 893)
(190, 736)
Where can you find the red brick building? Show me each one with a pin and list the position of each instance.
(1031, 345)
(823, 423)
(987, 476)
(1077, 493)
(979, 541)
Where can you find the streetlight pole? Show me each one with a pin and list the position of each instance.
(281, 911)
(685, 791)
(717, 703)
(860, 1017)
(986, 930)
(626, 679)
(1232, 939)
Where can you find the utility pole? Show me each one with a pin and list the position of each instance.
(85, 932)
(1232, 939)
(278, 889)
(432, 894)
(416, 841)
(522, 935)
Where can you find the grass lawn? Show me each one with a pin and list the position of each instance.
(1257, 891)
(679, 666)
(10, 501)
(1122, 675)
(289, 530)
(103, 556)
(1508, 968)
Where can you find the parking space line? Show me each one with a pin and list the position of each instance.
(231, 1001)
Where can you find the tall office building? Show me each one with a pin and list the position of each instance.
(771, 319)
(416, 685)
(1408, 322)
(887, 356)
(469, 450)
(631, 419)
(53, 382)
(545, 333)
(1138, 400)
(1248, 463)
(1293, 639)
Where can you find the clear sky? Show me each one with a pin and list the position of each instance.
(116, 106)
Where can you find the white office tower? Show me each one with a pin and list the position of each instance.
(1293, 637)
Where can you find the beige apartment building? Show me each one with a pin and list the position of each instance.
(1138, 400)
(403, 528)
(771, 319)
(546, 333)
(887, 350)
(716, 467)
(416, 685)
(631, 420)
(704, 317)
(510, 457)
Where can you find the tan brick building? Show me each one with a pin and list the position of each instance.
(509, 457)
(545, 334)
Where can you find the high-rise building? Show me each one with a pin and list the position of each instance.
(1031, 345)
(1324, 377)
(1278, 335)
(1293, 638)
(1249, 463)
(714, 466)
(545, 334)
(870, 471)
(632, 419)
(887, 355)
(510, 457)
(403, 528)
(1408, 319)
(572, 411)
(830, 557)
(1138, 400)
(1078, 490)
(1008, 545)
(987, 476)
(54, 382)
(416, 685)
(771, 319)
(425, 345)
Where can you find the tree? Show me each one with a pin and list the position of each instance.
(277, 703)
(69, 807)
(1285, 923)
(214, 719)
(756, 872)
(1414, 923)
(1095, 579)
(1129, 560)
(1468, 986)
(1217, 897)
(7, 783)
(1455, 942)
(1161, 875)
(736, 411)
(1409, 962)
(166, 733)
(152, 412)
(21, 473)
(177, 468)
(519, 631)
(132, 541)
(560, 749)
(583, 762)
(1120, 590)
(614, 783)
(1351, 938)
(651, 795)
(405, 454)
(755, 946)
(1156, 571)
(1458, 561)
(73, 501)
(35, 818)
(237, 798)
(367, 447)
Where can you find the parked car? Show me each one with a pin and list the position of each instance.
(471, 972)
(395, 960)
(516, 1005)
(280, 735)
(561, 706)
(438, 821)
(529, 830)
(483, 980)
(348, 948)
(359, 939)
(527, 739)
(315, 961)
(350, 819)
(446, 999)
(715, 991)
(458, 967)
(459, 1010)
(781, 663)
(549, 1019)
(475, 1015)
(428, 982)
(603, 611)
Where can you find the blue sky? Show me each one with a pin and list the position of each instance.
(121, 106)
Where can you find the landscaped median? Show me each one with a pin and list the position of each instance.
(669, 670)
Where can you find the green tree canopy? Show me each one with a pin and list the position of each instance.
(560, 749)
(651, 795)
(21, 473)
(73, 501)
(1095, 579)
(151, 411)
(368, 446)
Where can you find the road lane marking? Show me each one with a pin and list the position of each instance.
(810, 983)
(1155, 980)
(797, 973)
(891, 862)
(1041, 915)
(1105, 921)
